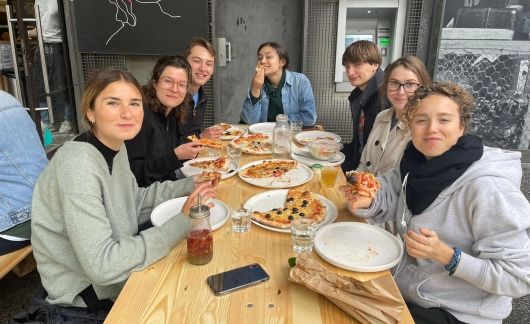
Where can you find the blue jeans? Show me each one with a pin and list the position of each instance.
(22, 159)
(53, 56)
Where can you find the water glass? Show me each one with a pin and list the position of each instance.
(328, 175)
(234, 153)
(302, 234)
(241, 219)
(296, 127)
(213, 152)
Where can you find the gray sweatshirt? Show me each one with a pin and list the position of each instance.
(485, 214)
(85, 223)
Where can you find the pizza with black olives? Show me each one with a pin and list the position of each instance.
(299, 203)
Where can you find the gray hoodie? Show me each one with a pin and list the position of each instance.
(485, 214)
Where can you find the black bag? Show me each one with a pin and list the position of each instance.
(42, 312)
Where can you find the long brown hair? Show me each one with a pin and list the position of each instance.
(151, 99)
(97, 82)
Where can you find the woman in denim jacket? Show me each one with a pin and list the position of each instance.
(22, 159)
(275, 90)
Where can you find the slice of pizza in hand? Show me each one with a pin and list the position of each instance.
(363, 183)
(299, 203)
(220, 164)
(205, 142)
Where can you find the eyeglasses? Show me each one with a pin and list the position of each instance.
(407, 86)
(168, 83)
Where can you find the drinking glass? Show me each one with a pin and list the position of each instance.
(234, 153)
(213, 152)
(328, 176)
(302, 234)
(241, 219)
(296, 127)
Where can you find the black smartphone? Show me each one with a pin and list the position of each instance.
(231, 280)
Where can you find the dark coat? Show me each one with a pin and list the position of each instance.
(370, 105)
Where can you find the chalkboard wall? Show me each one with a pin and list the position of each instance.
(139, 26)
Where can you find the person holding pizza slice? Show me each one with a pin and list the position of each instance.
(155, 153)
(460, 211)
(275, 90)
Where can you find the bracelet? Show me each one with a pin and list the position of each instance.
(451, 267)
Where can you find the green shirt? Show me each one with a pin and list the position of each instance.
(85, 222)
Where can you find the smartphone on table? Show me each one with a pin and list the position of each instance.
(231, 280)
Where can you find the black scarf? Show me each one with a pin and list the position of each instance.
(427, 178)
(275, 98)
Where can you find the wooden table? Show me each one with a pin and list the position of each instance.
(174, 291)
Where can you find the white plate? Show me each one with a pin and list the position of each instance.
(231, 137)
(264, 128)
(163, 212)
(275, 198)
(358, 247)
(308, 136)
(245, 150)
(188, 170)
(293, 178)
(309, 161)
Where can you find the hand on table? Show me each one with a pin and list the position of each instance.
(427, 245)
(355, 201)
(213, 132)
(188, 150)
(205, 190)
(257, 81)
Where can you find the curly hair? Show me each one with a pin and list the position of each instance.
(455, 92)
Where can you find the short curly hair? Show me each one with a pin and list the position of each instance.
(457, 93)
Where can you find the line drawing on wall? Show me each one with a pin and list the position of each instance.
(125, 15)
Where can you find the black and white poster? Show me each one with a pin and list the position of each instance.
(485, 46)
(139, 26)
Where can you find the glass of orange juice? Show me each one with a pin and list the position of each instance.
(328, 176)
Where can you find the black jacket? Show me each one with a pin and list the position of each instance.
(194, 119)
(152, 152)
(370, 105)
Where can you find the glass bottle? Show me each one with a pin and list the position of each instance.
(281, 141)
(200, 239)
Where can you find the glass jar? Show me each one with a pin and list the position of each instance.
(200, 239)
(281, 138)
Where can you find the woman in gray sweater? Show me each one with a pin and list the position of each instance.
(461, 213)
(87, 205)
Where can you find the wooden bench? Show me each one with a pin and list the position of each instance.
(20, 261)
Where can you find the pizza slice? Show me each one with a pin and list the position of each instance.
(363, 183)
(230, 131)
(213, 176)
(220, 164)
(299, 203)
(269, 169)
(205, 142)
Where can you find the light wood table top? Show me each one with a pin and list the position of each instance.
(174, 291)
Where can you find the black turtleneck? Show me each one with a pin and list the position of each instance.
(108, 154)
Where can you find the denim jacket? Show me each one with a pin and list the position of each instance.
(22, 159)
(297, 98)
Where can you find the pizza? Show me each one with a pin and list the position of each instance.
(229, 131)
(269, 169)
(254, 143)
(220, 164)
(213, 176)
(363, 183)
(205, 142)
(299, 203)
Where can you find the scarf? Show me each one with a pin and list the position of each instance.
(427, 178)
(275, 98)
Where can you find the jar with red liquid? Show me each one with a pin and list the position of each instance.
(200, 239)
